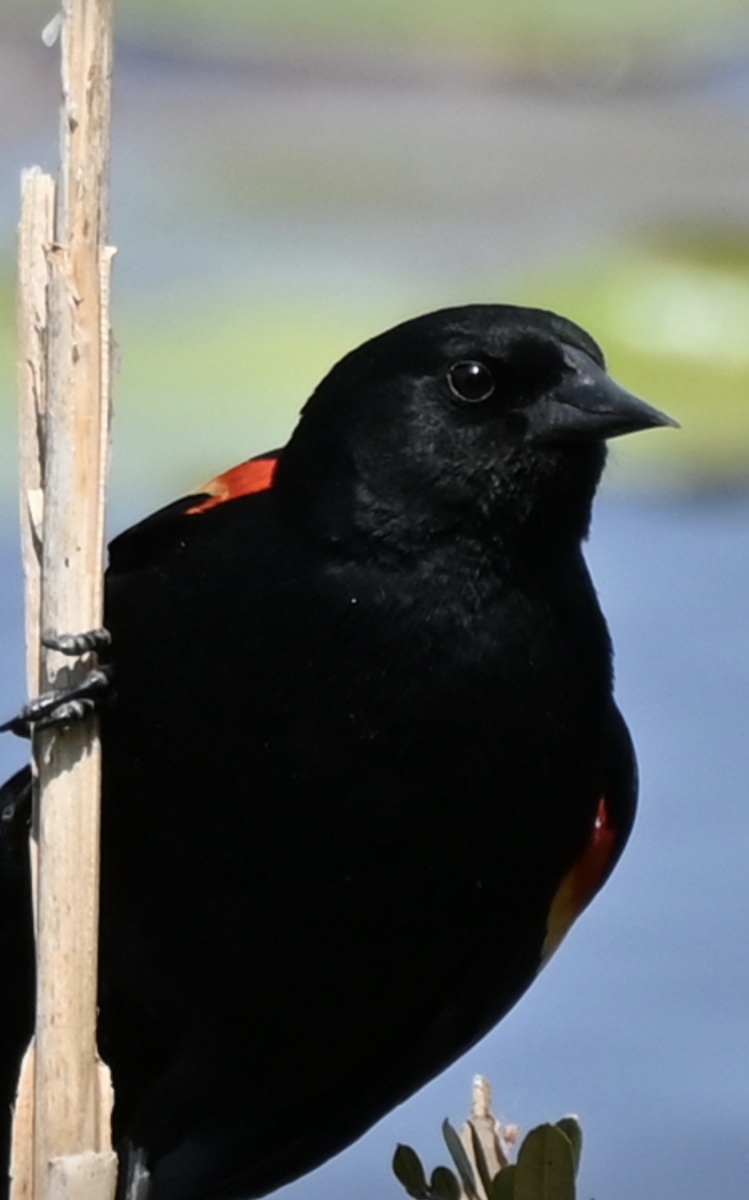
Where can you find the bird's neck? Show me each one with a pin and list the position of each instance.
(535, 509)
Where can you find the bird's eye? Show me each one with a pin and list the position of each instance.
(471, 382)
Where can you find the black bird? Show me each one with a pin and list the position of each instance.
(363, 765)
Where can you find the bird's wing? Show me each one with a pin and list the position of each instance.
(138, 544)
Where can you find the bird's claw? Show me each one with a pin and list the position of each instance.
(67, 705)
(78, 643)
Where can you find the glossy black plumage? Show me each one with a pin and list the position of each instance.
(363, 733)
(16, 946)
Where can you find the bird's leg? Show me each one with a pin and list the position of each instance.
(66, 705)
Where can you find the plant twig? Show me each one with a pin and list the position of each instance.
(64, 375)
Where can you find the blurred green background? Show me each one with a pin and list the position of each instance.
(289, 178)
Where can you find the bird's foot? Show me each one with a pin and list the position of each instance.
(67, 705)
(75, 644)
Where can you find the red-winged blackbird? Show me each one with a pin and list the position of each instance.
(363, 766)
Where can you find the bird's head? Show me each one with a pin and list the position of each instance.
(488, 416)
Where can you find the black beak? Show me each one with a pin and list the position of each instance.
(589, 406)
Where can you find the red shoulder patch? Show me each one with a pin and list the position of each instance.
(580, 885)
(256, 475)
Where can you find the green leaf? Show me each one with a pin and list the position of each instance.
(502, 1186)
(461, 1160)
(545, 1166)
(444, 1184)
(571, 1127)
(408, 1171)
